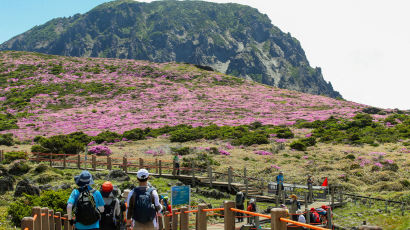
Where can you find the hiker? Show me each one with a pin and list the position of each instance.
(251, 208)
(310, 188)
(279, 182)
(283, 206)
(239, 201)
(294, 206)
(87, 203)
(314, 216)
(143, 204)
(301, 217)
(110, 218)
(175, 161)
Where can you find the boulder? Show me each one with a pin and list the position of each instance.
(61, 187)
(45, 187)
(25, 186)
(6, 183)
(99, 176)
(117, 175)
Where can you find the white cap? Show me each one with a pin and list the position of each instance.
(142, 174)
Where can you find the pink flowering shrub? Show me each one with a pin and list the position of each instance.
(263, 153)
(224, 152)
(100, 150)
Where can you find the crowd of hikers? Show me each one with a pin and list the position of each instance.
(141, 207)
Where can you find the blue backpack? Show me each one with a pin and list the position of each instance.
(144, 207)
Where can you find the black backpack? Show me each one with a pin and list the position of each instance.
(108, 219)
(85, 210)
(144, 208)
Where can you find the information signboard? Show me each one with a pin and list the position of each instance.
(180, 195)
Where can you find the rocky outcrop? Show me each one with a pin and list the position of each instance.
(25, 186)
(6, 183)
(230, 38)
(118, 175)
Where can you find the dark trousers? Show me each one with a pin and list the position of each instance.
(279, 186)
(175, 170)
(239, 214)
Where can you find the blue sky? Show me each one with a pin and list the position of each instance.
(18, 16)
(361, 46)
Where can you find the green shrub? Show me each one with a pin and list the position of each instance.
(181, 151)
(405, 183)
(134, 134)
(38, 149)
(8, 121)
(73, 147)
(107, 136)
(41, 168)
(12, 156)
(201, 160)
(19, 167)
(391, 167)
(184, 135)
(6, 139)
(350, 156)
(298, 145)
(56, 200)
(354, 166)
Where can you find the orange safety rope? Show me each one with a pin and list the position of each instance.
(302, 224)
(250, 213)
(190, 211)
(213, 209)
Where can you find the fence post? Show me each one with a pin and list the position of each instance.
(246, 181)
(210, 176)
(141, 163)
(167, 220)
(307, 209)
(94, 162)
(403, 207)
(276, 214)
(66, 223)
(156, 165)
(229, 215)
(329, 218)
(124, 164)
(310, 193)
(51, 160)
(333, 197)
(64, 161)
(37, 221)
(51, 219)
(79, 161)
(38, 158)
(1, 155)
(229, 179)
(44, 219)
(58, 220)
(27, 222)
(183, 219)
(202, 220)
(193, 174)
(160, 167)
(174, 219)
(109, 163)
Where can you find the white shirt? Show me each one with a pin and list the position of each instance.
(156, 203)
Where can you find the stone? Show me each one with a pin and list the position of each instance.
(25, 186)
(61, 187)
(19, 167)
(117, 175)
(45, 187)
(99, 176)
(6, 183)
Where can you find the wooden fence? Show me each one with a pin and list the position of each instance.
(45, 219)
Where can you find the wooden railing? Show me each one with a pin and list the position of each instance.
(45, 219)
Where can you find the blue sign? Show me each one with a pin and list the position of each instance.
(180, 195)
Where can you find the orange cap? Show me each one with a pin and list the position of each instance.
(107, 186)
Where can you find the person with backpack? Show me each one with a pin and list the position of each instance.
(86, 203)
(143, 204)
(314, 216)
(239, 201)
(279, 183)
(110, 218)
(251, 208)
(175, 162)
(294, 206)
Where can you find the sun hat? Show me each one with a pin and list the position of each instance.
(252, 201)
(142, 174)
(283, 206)
(85, 178)
(293, 195)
